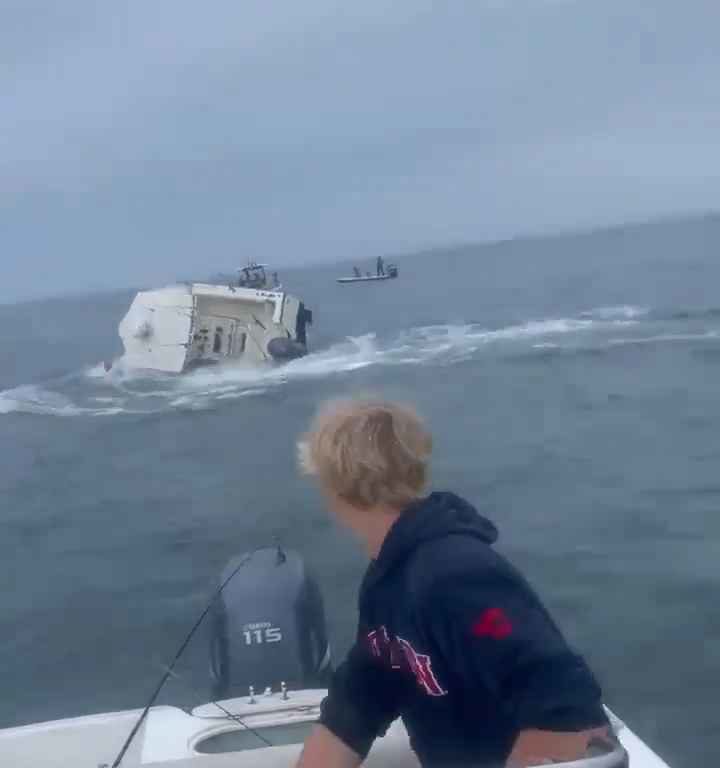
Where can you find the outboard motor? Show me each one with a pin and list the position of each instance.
(281, 348)
(268, 626)
(286, 348)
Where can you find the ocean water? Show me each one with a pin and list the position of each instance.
(572, 385)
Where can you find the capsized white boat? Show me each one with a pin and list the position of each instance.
(180, 327)
(267, 625)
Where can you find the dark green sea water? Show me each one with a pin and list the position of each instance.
(573, 385)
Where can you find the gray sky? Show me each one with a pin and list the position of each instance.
(144, 140)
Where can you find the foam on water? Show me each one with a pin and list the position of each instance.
(45, 402)
(666, 337)
(97, 392)
(620, 312)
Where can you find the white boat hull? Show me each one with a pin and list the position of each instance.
(370, 279)
(172, 738)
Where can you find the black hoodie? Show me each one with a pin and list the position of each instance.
(454, 640)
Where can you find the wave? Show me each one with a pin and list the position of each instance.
(619, 312)
(700, 313)
(124, 390)
(45, 402)
(633, 312)
(665, 337)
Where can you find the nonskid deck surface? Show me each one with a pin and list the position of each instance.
(209, 738)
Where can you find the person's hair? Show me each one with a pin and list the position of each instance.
(369, 453)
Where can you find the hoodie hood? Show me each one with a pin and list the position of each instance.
(434, 517)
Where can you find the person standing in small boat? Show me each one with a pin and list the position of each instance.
(451, 637)
(380, 266)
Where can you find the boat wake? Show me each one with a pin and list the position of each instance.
(95, 392)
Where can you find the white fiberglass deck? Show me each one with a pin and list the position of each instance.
(208, 738)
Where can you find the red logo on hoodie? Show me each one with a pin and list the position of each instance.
(493, 623)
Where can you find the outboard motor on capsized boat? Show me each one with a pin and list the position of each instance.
(282, 349)
(268, 626)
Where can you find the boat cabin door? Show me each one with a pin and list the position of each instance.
(237, 338)
(220, 338)
(228, 339)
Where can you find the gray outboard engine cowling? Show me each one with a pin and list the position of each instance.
(268, 627)
(282, 348)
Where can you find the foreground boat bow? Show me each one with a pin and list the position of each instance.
(267, 623)
(209, 738)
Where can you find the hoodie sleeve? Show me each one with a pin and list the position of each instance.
(362, 701)
(499, 639)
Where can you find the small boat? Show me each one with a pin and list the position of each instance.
(269, 661)
(390, 273)
(180, 327)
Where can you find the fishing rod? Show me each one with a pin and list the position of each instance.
(169, 671)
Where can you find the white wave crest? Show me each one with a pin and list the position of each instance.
(620, 312)
(44, 402)
(666, 337)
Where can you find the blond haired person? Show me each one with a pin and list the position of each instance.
(451, 637)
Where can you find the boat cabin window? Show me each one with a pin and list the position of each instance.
(243, 740)
(217, 341)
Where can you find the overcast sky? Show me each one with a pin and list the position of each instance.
(144, 140)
